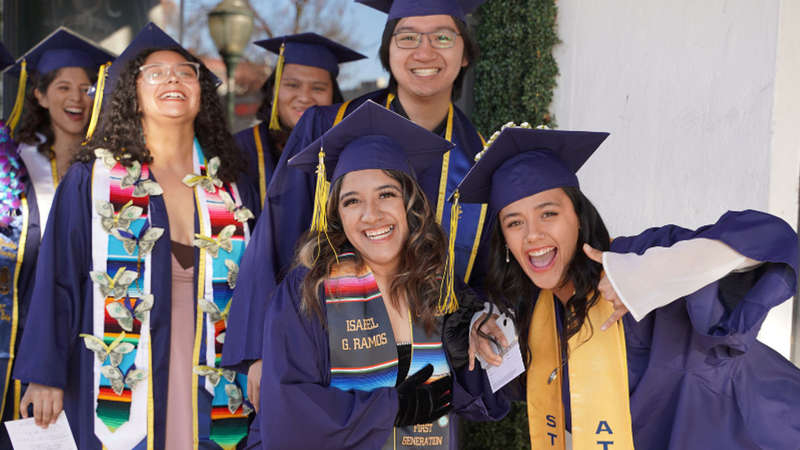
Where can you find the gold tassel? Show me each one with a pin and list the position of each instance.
(98, 99)
(16, 112)
(274, 123)
(319, 221)
(448, 303)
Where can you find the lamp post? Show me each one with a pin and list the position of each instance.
(231, 24)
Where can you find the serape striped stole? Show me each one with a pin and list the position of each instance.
(363, 350)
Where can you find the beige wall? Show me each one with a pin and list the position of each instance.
(701, 102)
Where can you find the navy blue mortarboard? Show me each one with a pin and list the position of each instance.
(408, 8)
(62, 48)
(150, 37)
(5, 57)
(520, 162)
(373, 137)
(311, 49)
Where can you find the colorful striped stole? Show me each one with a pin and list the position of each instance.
(222, 239)
(122, 240)
(363, 351)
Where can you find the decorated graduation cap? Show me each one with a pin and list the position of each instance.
(372, 137)
(151, 37)
(5, 57)
(408, 8)
(62, 48)
(308, 49)
(521, 161)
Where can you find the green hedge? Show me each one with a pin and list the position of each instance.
(514, 82)
(516, 73)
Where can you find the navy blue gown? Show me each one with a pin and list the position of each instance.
(698, 377)
(308, 413)
(51, 351)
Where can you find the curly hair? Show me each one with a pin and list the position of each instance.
(121, 129)
(422, 260)
(512, 290)
(278, 138)
(36, 118)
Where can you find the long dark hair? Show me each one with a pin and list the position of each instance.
(421, 262)
(278, 138)
(36, 118)
(121, 129)
(471, 51)
(512, 290)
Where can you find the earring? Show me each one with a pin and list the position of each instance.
(508, 260)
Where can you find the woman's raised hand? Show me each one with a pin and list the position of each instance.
(606, 289)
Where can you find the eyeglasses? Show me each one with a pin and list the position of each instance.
(158, 73)
(437, 39)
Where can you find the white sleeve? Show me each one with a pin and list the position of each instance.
(663, 274)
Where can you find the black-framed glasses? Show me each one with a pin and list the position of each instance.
(158, 73)
(437, 39)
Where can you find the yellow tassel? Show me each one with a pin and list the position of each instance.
(98, 99)
(448, 303)
(274, 123)
(16, 112)
(319, 222)
(319, 219)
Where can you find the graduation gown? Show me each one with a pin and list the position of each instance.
(53, 354)
(9, 242)
(261, 165)
(287, 215)
(308, 413)
(698, 377)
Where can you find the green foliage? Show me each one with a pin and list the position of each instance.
(514, 82)
(516, 73)
(510, 433)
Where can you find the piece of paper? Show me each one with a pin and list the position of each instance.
(512, 365)
(26, 435)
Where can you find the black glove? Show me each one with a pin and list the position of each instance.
(456, 328)
(423, 403)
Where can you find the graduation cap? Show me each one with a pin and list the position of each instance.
(5, 57)
(519, 162)
(373, 137)
(308, 49)
(408, 8)
(62, 48)
(150, 37)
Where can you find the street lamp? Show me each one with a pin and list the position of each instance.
(231, 24)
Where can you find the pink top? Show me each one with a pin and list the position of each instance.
(181, 343)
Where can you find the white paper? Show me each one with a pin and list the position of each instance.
(512, 365)
(26, 435)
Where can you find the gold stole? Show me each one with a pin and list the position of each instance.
(598, 381)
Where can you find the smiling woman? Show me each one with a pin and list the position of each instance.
(646, 341)
(52, 114)
(354, 350)
(131, 317)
